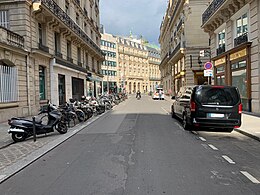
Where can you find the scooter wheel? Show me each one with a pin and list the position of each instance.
(62, 128)
(18, 137)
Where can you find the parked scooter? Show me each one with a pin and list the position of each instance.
(22, 128)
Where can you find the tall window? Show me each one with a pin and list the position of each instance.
(68, 49)
(57, 42)
(79, 54)
(4, 19)
(242, 25)
(8, 83)
(40, 31)
(67, 5)
(42, 82)
(221, 38)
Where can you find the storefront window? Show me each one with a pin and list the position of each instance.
(220, 75)
(239, 80)
(221, 80)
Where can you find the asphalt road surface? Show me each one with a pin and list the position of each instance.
(138, 149)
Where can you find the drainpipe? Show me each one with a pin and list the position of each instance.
(28, 83)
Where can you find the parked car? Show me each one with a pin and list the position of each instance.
(208, 107)
(156, 95)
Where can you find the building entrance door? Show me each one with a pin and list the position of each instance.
(61, 88)
(77, 88)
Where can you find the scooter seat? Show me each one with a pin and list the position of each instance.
(37, 120)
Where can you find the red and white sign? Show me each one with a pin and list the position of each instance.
(208, 66)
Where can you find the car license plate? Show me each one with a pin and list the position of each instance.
(215, 115)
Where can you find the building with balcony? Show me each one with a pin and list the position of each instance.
(154, 60)
(109, 66)
(135, 61)
(233, 27)
(60, 56)
(14, 76)
(181, 39)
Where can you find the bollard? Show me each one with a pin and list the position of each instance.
(34, 130)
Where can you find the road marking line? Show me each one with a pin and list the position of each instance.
(179, 126)
(213, 147)
(195, 132)
(165, 110)
(250, 177)
(228, 159)
(202, 139)
(2, 176)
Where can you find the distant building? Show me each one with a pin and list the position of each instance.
(138, 65)
(109, 66)
(131, 64)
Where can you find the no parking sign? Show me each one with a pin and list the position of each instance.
(208, 66)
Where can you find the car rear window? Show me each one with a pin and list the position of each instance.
(217, 95)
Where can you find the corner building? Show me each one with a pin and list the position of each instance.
(181, 39)
(233, 27)
(58, 53)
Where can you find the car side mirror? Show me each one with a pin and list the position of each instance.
(173, 97)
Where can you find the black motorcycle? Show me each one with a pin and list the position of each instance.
(22, 128)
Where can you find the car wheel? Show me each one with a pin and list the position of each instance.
(185, 124)
(229, 130)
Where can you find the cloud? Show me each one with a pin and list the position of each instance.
(142, 17)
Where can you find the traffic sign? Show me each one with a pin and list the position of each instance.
(208, 73)
(202, 53)
(208, 66)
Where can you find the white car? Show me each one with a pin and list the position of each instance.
(157, 92)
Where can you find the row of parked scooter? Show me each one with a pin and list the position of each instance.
(62, 117)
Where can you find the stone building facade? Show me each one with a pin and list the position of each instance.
(138, 65)
(233, 27)
(109, 66)
(181, 39)
(61, 55)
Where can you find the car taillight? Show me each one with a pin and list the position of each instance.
(217, 86)
(192, 106)
(240, 107)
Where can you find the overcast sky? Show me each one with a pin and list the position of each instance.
(142, 17)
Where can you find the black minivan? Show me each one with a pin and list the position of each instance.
(208, 107)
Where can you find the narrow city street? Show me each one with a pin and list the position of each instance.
(136, 149)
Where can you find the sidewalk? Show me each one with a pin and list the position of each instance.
(250, 124)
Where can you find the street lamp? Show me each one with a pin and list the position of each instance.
(36, 5)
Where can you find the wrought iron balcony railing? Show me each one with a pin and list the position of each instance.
(241, 39)
(43, 48)
(58, 54)
(58, 12)
(154, 78)
(179, 25)
(70, 65)
(69, 59)
(78, 2)
(221, 49)
(85, 12)
(211, 10)
(80, 63)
